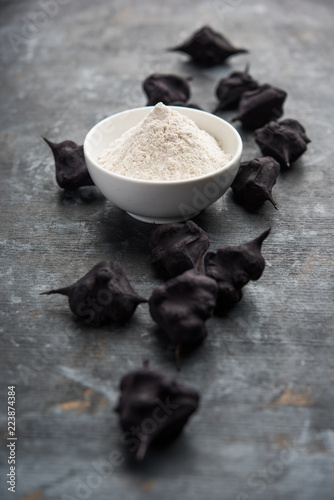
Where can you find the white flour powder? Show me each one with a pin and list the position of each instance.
(164, 146)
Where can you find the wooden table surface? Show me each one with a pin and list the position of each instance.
(265, 426)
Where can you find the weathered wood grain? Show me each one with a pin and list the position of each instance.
(266, 370)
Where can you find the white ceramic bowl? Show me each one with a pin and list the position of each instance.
(162, 201)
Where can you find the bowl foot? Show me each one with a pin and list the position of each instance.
(162, 220)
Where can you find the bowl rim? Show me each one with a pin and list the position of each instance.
(152, 182)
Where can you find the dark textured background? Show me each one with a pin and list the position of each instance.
(265, 372)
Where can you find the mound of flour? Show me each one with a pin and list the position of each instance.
(164, 146)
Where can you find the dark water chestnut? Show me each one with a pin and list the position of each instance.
(232, 267)
(103, 294)
(285, 140)
(177, 247)
(254, 181)
(70, 165)
(166, 88)
(230, 89)
(153, 408)
(258, 107)
(208, 48)
(181, 307)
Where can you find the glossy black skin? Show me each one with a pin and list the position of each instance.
(150, 397)
(258, 107)
(166, 88)
(230, 89)
(285, 140)
(254, 181)
(102, 295)
(177, 247)
(70, 165)
(208, 48)
(182, 305)
(232, 267)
